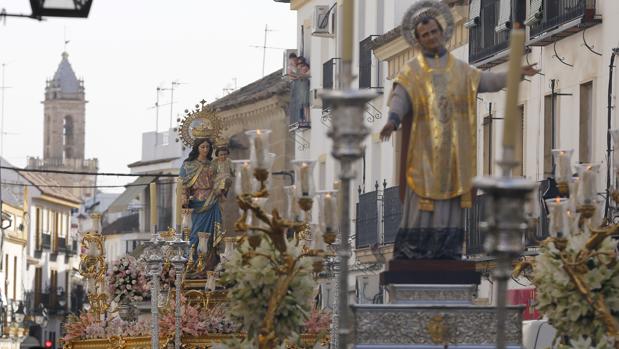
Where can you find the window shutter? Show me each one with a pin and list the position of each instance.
(535, 12)
(505, 16)
(474, 13)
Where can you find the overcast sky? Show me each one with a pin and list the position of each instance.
(123, 51)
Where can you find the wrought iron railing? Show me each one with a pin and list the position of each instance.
(370, 218)
(367, 220)
(557, 12)
(484, 40)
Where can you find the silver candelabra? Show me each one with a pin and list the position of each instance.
(348, 132)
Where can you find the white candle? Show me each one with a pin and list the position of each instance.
(93, 250)
(573, 185)
(210, 281)
(516, 49)
(153, 203)
(329, 211)
(588, 184)
(202, 242)
(260, 152)
(558, 226)
(245, 179)
(564, 166)
(187, 220)
(305, 179)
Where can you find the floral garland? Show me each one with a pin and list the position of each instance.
(577, 282)
(251, 278)
(87, 326)
(196, 321)
(127, 280)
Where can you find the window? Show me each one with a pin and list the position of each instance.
(365, 63)
(38, 285)
(548, 134)
(37, 231)
(487, 145)
(68, 139)
(585, 142)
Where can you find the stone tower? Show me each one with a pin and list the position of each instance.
(64, 110)
(65, 113)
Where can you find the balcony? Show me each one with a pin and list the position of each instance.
(558, 19)
(62, 245)
(485, 43)
(46, 241)
(379, 213)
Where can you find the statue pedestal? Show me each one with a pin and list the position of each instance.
(431, 307)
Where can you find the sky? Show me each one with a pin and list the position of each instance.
(123, 51)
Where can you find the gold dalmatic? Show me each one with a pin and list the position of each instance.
(442, 150)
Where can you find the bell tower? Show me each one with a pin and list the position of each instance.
(65, 112)
(64, 119)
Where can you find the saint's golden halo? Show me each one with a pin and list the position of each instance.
(202, 122)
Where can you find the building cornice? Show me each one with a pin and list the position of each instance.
(391, 49)
(58, 201)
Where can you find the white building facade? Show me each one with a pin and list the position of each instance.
(571, 42)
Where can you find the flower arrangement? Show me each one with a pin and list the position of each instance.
(168, 276)
(127, 280)
(318, 323)
(577, 281)
(87, 326)
(196, 321)
(252, 278)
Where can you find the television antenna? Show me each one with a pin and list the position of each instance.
(264, 46)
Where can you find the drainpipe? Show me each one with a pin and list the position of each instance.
(611, 66)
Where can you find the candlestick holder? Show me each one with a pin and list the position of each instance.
(93, 266)
(257, 225)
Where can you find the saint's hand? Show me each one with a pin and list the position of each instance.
(529, 70)
(385, 133)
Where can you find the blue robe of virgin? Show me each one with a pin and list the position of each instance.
(199, 182)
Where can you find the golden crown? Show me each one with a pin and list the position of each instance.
(202, 122)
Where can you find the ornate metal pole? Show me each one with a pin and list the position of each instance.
(348, 132)
(506, 224)
(178, 261)
(154, 261)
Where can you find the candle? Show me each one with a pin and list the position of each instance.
(563, 160)
(558, 226)
(202, 242)
(573, 185)
(93, 250)
(329, 211)
(153, 204)
(588, 182)
(179, 201)
(347, 30)
(305, 179)
(260, 152)
(211, 280)
(187, 218)
(516, 49)
(245, 178)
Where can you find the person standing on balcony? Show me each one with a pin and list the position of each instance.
(434, 102)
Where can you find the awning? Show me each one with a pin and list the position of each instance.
(132, 192)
